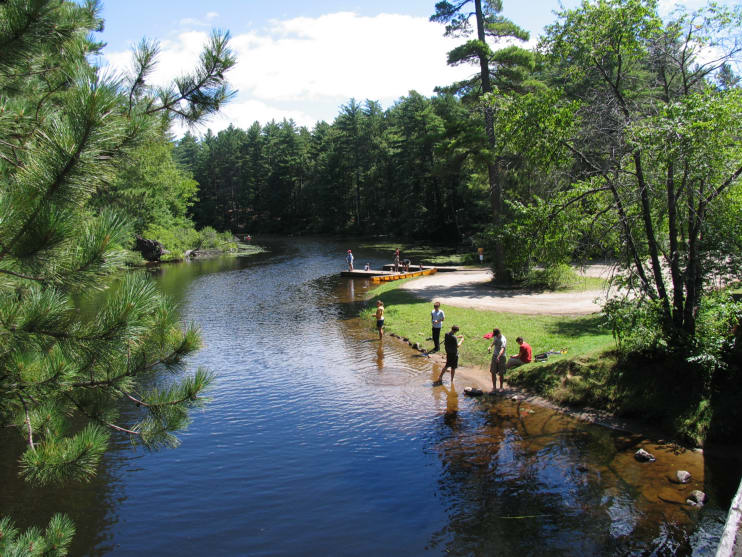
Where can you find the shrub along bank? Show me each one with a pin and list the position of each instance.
(647, 384)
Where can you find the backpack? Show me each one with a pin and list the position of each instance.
(450, 343)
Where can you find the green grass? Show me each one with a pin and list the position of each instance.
(409, 317)
(585, 283)
(643, 386)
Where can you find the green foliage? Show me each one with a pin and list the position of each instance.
(555, 277)
(174, 239)
(638, 327)
(412, 169)
(53, 542)
(66, 131)
(150, 189)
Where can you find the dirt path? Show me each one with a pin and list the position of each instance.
(473, 289)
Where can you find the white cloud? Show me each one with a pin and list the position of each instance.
(305, 68)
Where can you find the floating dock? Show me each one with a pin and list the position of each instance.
(360, 273)
(382, 276)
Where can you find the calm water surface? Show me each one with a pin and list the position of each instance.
(320, 440)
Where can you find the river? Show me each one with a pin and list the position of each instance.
(319, 440)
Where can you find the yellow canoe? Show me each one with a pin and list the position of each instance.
(385, 278)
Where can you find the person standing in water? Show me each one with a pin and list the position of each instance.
(451, 343)
(380, 318)
(499, 358)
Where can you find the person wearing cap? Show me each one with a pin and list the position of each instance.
(349, 260)
(437, 316)
(451, 343)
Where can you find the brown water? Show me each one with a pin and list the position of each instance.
(322, 441)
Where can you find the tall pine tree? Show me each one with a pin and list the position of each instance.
(64, 131)
(498, 69)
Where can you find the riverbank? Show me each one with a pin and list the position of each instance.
(590, 380)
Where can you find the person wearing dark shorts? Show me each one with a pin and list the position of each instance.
(451, 343)
(437, 316)
(380, 318)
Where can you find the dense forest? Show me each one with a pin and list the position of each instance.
(410, 170)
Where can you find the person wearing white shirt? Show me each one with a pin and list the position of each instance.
(437, 316)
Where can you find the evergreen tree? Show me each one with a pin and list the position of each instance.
(64, 131)
(502, 69)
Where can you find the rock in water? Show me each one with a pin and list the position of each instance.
(696, 498)
(643, 456)
(683, 476)
(472, 391)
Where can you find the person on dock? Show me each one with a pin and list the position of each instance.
(437, 316)
(367, 266)
(451, 343)
(349, 260)
(524, 356)
(406, 265)
(499, 358)
(380, 318)
(396, 260)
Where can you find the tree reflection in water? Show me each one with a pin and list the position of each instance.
(522, 480)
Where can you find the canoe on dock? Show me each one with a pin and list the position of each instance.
(397, 276)
(382, 276)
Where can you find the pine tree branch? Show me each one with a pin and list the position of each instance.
(130, 373)
(28, 423)
(19, 275)
(56, 184)
(99, 420)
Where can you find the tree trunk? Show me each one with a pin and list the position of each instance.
(492, 170)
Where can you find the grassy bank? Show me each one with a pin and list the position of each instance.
(642, 386)
(409, 317)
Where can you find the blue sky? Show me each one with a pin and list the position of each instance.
(303, 60)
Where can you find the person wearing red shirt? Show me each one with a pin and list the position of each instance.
(525, 354)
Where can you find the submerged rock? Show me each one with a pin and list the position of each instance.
(473, 391)
(696, 498)
(643, 456)
(682, 476)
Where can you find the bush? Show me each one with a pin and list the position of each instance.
(554, 277)
(177, 239)
(208, 238)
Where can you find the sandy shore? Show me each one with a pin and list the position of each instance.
(473, 289)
